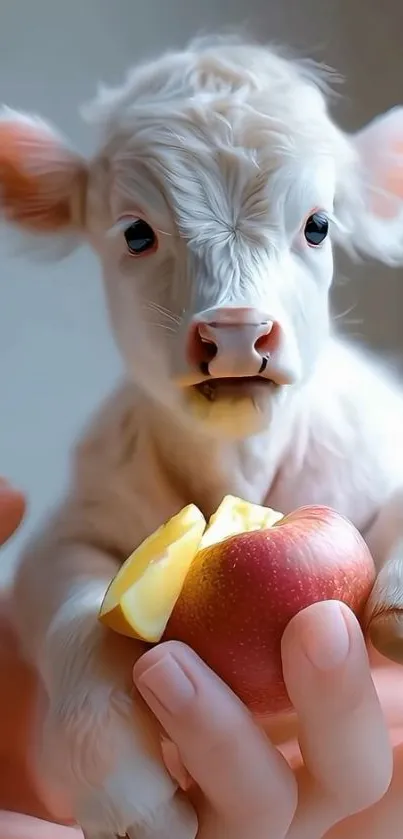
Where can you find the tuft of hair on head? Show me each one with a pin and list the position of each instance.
(208, 69)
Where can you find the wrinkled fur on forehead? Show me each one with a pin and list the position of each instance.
(227, 113)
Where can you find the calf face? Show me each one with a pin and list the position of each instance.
(215, 233)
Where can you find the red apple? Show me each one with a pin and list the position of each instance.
(239, 595)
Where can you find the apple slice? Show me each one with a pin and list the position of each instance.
(142, 595)
(235, 516)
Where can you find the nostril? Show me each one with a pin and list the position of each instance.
(269, 341)
(201, 348)
(208, 351)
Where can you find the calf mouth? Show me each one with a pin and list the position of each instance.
(240, 387)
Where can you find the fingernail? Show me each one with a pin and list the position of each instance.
(173, 762)
(167, 683)
(325, 638)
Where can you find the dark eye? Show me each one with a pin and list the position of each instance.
(316, 229)
(140, 238)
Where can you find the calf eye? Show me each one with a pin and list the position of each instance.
(316, 229)
(140, 238)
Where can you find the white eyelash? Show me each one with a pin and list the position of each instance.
(124, 223)
(337, 223)
(119, 227)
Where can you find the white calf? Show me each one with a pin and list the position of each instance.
(220, 185)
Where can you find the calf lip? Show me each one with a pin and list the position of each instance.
(233, 386)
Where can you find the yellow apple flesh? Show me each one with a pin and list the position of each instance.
(140, 598)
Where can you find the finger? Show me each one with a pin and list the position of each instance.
(243, 777)
(382, 821)
(12, 509)
(20, 826)
(342, 732)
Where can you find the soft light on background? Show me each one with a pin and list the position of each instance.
(57, 359)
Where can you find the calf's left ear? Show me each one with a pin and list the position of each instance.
(42, 181)
(372, 201)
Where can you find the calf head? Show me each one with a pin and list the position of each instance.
(220, 185)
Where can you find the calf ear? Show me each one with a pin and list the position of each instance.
(372, 202)
(42, 182)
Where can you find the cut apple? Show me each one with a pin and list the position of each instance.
(228, 590)
(235, 516)
(141, 597)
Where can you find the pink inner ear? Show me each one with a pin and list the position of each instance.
(386, 203)
(394, 175)
(38, 177)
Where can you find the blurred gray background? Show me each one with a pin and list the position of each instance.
(57, 359)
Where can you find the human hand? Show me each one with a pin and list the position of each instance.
(255, 773)
(18, 790)
(243, 787)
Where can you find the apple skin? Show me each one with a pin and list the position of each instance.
(240, 594)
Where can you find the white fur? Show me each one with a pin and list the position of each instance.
(225, 149)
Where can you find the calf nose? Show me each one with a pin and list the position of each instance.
(232, 342)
